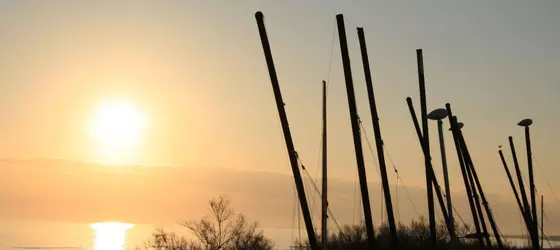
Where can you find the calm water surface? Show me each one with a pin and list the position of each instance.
(107, 235)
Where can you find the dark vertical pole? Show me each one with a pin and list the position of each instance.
(542, 222)
(286, 128)
(512, 183)
(484, 229)
(489, 214)
(431, 170)
(355, 130)
(378, 140)
(324, 202)
(445, 173)
(415, 121)
(455, 131)
(521, 185)
(426, 142)
(532, 183)
(526, 207)
(491, 220)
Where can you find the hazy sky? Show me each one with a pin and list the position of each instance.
(196, 70)
(161, 196)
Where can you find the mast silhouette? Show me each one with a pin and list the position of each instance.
(444, 162)
(426, 143)
(354, 119)
(542, 222)
(484, 229)
(526, 123)
(526, 207)
(378, 141)
(455, 130)
(478, 186)
(324, 201)
(515, 193)
(286, 129)
(439, 194)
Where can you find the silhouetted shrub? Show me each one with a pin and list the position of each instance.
(223, 230)
(415, 236)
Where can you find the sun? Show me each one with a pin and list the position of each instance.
(117, 128)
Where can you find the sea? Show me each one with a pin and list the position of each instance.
(107, 235)
(111, 235)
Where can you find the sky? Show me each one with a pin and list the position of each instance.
(196, 71)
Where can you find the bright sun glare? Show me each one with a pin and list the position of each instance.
(117, 128)
(110, 235)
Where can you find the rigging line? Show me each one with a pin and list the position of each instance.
(390, 158)
(329, 212)
(331, 53)
(545, 178)
(354, 210)
(359, 210)
(550, 224)
(319, 153)
(307, 194)
(400, 178)
(410, 199)
(299, 224)
(313, 197)
(334, 219)
(310, 182)
(397, 200)
(545, 216)
(522, 227)
(300, 163)
(548, 241)
(294, 211)
(306, 188)
(297, 213)
(546, 222)
(503, 237)
(498, 228)
(364, 133)
(307, 182)
(458, 215)
(381, 205)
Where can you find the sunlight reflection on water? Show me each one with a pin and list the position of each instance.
(110, 235)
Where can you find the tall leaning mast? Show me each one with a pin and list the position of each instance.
(286, 129)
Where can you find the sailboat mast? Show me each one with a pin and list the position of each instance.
(533, 207)
(542, 222)
(512, 183)
(324, 203)
(426, 143)
(455, 130)
(474, 190)
(437, 188)
(478, 186)
(378, 141)
(287, 134)
(526, 206)
(356, 130)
